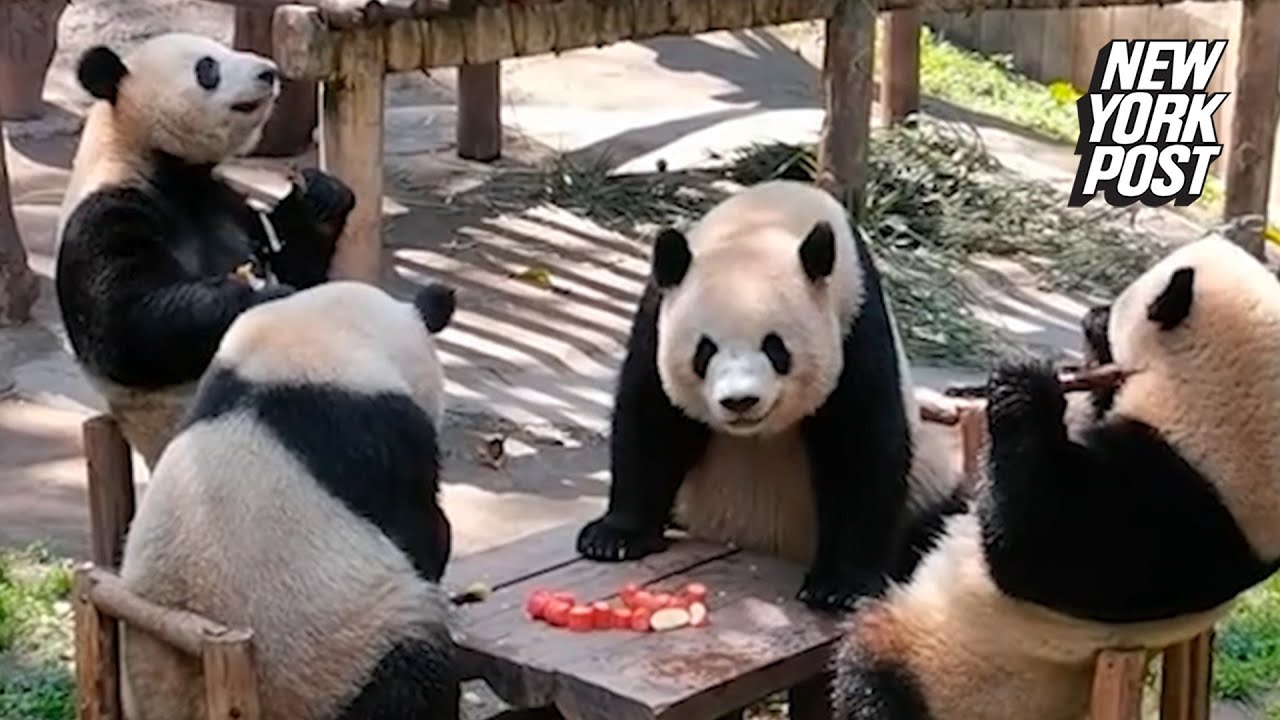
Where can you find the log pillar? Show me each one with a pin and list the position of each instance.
(19, 286)
(847, 86)
(479, 131)
(28, 39)
(1253, 133)
(900, 69)
(293, 122)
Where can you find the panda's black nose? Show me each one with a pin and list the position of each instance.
(268, 77)
(739, 403)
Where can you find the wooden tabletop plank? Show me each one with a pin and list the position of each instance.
(514, 561)
(761, 639)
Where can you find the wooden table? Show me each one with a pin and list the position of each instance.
(760, 639)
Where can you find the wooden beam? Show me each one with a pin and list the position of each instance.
(479, 130)
(1253, 132)
(111, 493)
(19, 286)
(351, 148)
(1117, 685)
(900, 69)
(97, 655)
(290, 129)
(847, 87)
(179, 629)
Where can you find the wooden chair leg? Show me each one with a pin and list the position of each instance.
(230, 684)
(351, 133)
(1186, 678)
(111, 493)
(1117, 685)
(479, 130)
(97, 656)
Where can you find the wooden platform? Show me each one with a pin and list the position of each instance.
(760, 639)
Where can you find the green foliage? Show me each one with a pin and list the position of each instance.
(1247, 647)
(35, 637)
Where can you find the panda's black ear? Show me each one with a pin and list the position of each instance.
(435, 303)
(671, 258)
(100, 73)
(818, 251)
(1173, 304)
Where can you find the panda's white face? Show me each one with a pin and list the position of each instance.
(746, 343)
(196, 98)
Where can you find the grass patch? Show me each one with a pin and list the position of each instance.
(35, 637)
(1247, 648)
(935, 197)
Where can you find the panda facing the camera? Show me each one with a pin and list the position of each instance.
(1138, 530)
(299, 500)
(765, 398)
(152, 246)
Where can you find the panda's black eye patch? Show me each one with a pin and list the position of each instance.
(776, 350)
(208, 74)
(702, 356)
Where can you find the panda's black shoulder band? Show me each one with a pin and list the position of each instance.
(671, 258)
(100, 72)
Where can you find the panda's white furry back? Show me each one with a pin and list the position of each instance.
(300, 501)
(1137, 530)
(766, 400)
(151, 244)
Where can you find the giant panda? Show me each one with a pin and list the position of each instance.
(299, 500)
(1137, 532)
(150, 240)
(765, 397)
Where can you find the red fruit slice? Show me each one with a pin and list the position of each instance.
(642, 599)
(622, 618)
(628, 593)
(536, 605)
(557, 612)
(696, 592)
(602, 615)
(582, 618)
(640, 619)
(698, 615)
(565, 596)
(669, 618)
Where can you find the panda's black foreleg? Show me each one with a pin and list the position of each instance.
(859, 450)
(1106, 529)
(653, 445)
(309, 221)
(417, 679)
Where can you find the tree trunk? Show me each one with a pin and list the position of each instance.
(28, 38)
(18, 285)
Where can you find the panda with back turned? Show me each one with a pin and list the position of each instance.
(152, 246)
(1138, 530)
(300, 500)
(766, 399)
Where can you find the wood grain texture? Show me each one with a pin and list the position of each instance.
(182, 630)
(1187, 679)
(96, 654)
(19, 285)
(292, 125)
(479, 128)
(1253, 132)
(900, 84)
(1117, 685)
(230, 681)
(111, 493)
(847, 88)
(760, 639)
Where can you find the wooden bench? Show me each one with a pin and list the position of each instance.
(761, 640)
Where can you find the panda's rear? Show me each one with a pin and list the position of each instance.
(303, 507)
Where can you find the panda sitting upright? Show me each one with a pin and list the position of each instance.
(1135, 531)
(299, 501)
(765, 396)
(150, 241)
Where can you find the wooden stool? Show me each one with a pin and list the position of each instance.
(100, 600)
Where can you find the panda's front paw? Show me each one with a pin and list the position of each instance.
(611, 541)
(328, 197)
(1017, 392)
(839, 592)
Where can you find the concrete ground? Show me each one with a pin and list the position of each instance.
(534, 365)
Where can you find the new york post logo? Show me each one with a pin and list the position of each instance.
(1146, 124)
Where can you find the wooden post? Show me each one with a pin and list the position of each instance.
(1117, 685)
(480, 112)
(111, 494)
(289, 131)
(973, 428)
(1186, 679)
(97, 658)
(900, 71)
(351, 147)
(28, 39)
(847, 85)
(230, 683)
(1253, 132)
(19, 286)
